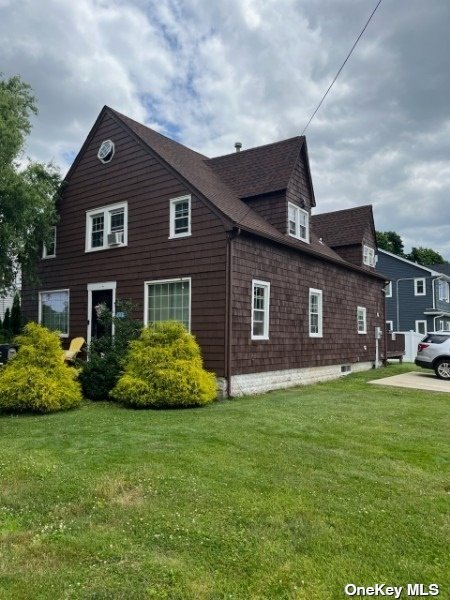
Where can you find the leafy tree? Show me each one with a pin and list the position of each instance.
(27, 195)
(390, 241)
(425, 256)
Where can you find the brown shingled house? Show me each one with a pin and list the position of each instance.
(226, 245)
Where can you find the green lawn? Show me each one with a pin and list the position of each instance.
(288, 495)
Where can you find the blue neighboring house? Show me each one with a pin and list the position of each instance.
(418, 297)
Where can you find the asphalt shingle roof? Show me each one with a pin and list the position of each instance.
(259, 170)
(212, 179)
(343, 227)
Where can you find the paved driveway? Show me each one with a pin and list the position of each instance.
(417, 381)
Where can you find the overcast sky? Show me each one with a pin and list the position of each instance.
(211, 72)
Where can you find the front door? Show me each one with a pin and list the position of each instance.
(101, 300)
(101, 296)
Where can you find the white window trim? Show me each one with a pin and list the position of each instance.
(388, 290)
(416, 326)
(297, 233)
(44, 247)
(175, 280)
(94, 287)
(63, 335)
(266, 285)
(443, 285)
(364, 312)
(173, 202)
(416, 292)
(390, 325)
(319, 293)
(106, 210)
(369, 256)
(112, 150)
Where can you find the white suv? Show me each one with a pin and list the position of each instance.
(433, 352)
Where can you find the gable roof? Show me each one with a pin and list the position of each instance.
(442, 271)
(344, 227)
(196, 172)
(259, 170)
(441, 268)
(195, 169)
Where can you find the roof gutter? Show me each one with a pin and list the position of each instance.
(306, 250)
(231, 236)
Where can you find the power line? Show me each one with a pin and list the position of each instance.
(342, 66)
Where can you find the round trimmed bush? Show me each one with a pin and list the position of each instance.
(37, 379)
(164, 369)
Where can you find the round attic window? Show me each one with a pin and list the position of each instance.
(106, 151)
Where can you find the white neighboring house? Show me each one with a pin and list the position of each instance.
(7, 301)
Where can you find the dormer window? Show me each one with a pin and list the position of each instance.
(298, 222)
(368, 256)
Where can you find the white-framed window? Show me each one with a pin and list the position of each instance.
(388, 290)
(361, 317)
(368, 256)
(49, 251)
(315, 313)
(106, 151)
(298, 222)
(107, 227)
(54, 311)
(419, 287)
(168, 300)
(389, 326)
(441, 325)
(260, 309)
(180, 217)
(421, 327)
(443, 291)
(447, 326)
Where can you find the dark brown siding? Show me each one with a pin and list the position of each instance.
(352, 254)
(272, 207)
(291, 274)
(299, 189)
(138, 178)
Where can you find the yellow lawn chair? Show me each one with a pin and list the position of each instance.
(75, 346)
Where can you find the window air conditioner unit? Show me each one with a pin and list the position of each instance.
(115, 238)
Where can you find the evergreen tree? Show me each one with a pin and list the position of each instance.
(7, 323)
(16, 316)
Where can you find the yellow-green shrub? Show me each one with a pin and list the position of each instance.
(164, 369)
(37, 379)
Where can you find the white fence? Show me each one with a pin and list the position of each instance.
(411, 340)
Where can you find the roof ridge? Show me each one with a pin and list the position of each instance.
(341, 210)
(296, 137)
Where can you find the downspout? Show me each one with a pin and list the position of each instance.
(229, 308)
(385, 334)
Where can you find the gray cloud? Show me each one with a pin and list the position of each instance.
(211, 73)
